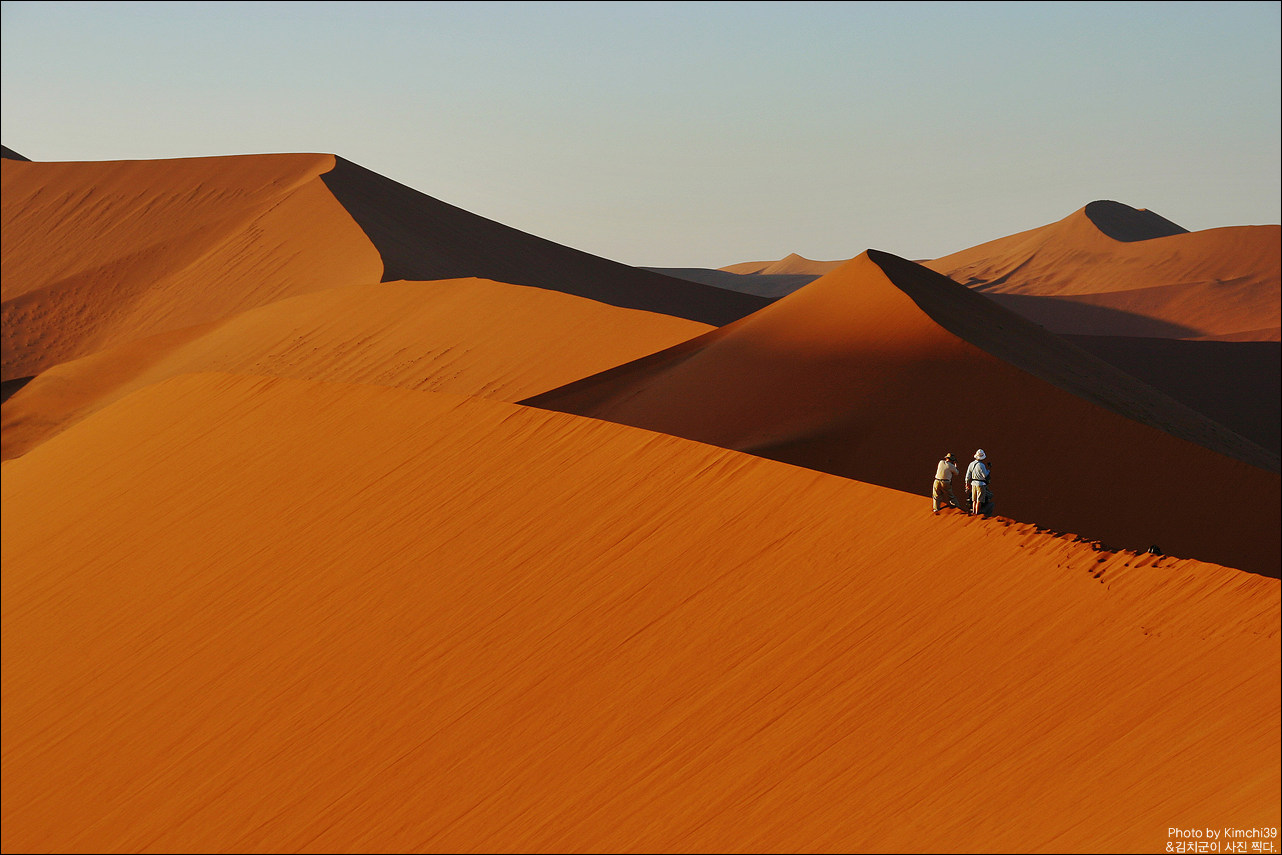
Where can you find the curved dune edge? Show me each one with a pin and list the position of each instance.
(102, 253)
(874, 373)
(372, 636)
(421, 238)
(1157, 279)
(466, 336)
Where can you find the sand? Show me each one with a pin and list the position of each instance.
(874, 371)
(1109, 269)
(469, 336)
(413, 621)
(339, 519)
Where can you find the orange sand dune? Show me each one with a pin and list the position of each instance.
(408, 621)
(467, 336)
(1122, 262)
(100, 253)
(790, 265)
(875, 370)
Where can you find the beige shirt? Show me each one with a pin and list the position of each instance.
(945, 471)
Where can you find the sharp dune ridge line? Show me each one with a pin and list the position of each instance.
(98, 254)
(862, 371)
(268, 622)
(293, 561)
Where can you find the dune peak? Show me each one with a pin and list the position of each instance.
(1127, 224)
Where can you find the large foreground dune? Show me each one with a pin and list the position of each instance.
(281, 615)
(877, 369)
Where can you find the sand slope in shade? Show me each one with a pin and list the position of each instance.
(100, 253)
(1237, 383)
(410, 621)
(874, 371)
(422, 238)
(467, 336)
(1108, 269)
(771, 286)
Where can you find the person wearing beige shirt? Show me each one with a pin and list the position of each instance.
(941, 494)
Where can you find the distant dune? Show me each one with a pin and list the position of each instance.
(1109, 269)
(877, 369)
(278, 615)
(790, 265)
(763, 285)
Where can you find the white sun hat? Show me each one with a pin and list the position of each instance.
(980, 455)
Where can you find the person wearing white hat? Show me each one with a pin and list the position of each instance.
(978, 474)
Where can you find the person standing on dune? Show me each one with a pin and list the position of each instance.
(941, 493)
(978, 474)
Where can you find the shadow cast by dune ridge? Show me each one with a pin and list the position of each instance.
(1236, 383)
(421, 238)
(9, 388)
(1127, 224)
(874, 370)
(1069, 316)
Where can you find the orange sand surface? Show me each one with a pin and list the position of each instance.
(97, 254)
(874, 371)
(101, 253)
(1108, 269)
(468, 336)
(265, 614)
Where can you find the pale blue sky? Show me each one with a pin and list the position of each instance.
(690, 134)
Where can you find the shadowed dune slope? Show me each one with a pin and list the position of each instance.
(765, 285)
(374, 636)
(1108, 262)
(100, 253)
(421, 238)
(1236, 383)
(9, 153)
(467, 336)
(874, 371)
